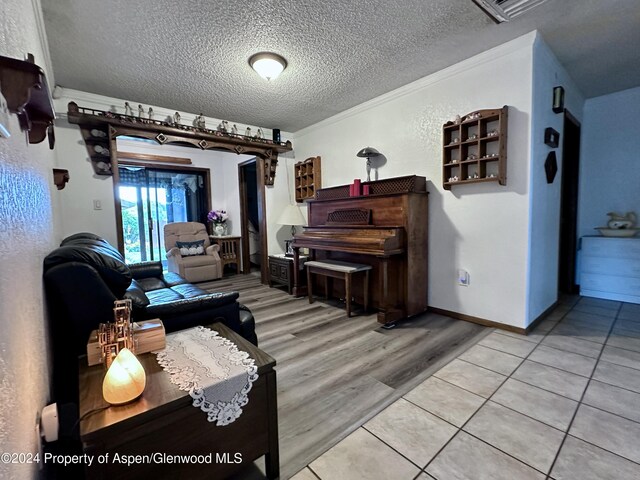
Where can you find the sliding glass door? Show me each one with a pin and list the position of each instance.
(150, 198)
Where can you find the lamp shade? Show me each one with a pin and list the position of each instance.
(125, 380)
(268, 65)
(291, 215)
(367, 152)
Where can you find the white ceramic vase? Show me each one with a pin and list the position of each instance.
(219, 229)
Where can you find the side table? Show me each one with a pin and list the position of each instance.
(164, 422)
(281, 270)
(229, 250)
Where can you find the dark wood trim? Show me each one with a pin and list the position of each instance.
(113, 154)
(244, 217)
(540, 317)
(261, 167)
(478, 320)
(571, 118)
(569, 204)
(203, 170)
(116, 183)
(154, 158)
(168, 133)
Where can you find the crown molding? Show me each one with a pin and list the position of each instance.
(101, 102)
(513, 46)
(44, 43)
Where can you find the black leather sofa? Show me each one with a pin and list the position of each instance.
(85, 275)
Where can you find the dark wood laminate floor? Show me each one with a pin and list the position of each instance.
(335, 373)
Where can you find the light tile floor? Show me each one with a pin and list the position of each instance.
(560, 403)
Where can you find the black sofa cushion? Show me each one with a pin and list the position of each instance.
(85, 275)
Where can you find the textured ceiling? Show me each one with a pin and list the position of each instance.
(191, 55)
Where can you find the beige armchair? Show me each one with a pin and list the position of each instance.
(194, 268)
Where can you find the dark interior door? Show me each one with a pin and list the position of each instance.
(569, 205)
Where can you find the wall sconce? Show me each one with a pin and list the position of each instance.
(60, 177)
(558, 100)
(125, 380)
(367, 153)
(268, 65)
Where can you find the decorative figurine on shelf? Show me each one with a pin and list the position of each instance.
(223, 127)
(140, 111)
(492, 133)
(620, 222)
(234, 130)
(458, 120)
(472, 157)
(259, 134)
(128, 111)
(247, 132)
(176, 118)
(101, 150)
(150, 113)
(454, 141)
(475, 175)
(199, 122)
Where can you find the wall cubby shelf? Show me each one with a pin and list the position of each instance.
(474, 150)
(308, 179)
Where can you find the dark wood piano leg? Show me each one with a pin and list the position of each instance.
(297, 291)
(388, 313)
(309, 285)
(366, 291)
(347, 289)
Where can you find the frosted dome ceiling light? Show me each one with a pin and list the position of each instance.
(268, 65)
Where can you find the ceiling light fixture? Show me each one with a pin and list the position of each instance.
(504, 10)
(268, 65)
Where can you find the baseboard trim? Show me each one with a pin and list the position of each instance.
(541, 317)
(478, 320)
(491, 323)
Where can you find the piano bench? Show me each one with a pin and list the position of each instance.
(338, 269)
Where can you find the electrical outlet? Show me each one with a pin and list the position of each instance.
(97, 205)
(463, 278)
(4, 117)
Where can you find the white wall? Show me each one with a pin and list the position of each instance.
(544, 201)
(610, 159)
(482, 228)
(28, 214)
(85, 186)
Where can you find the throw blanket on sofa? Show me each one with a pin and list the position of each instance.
(216, 374)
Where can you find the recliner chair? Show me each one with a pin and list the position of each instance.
(194, 268)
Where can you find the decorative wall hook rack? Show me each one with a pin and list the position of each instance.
(24, 86)
(99, 128)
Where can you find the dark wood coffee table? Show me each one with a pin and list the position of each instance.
(163, 421)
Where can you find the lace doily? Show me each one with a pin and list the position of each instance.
(211, 368)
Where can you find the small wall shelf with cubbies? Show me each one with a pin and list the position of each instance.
(308, 178)
(474, 149)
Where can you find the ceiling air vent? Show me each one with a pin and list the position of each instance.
(505, 10)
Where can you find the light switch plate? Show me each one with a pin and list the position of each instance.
(4, 117)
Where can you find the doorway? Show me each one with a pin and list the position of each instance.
(570, 176)
(151, 197)
(253, 218)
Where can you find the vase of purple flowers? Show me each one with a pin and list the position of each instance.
(218, 220)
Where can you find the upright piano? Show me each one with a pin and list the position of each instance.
(386, 229)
